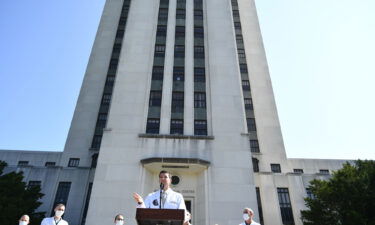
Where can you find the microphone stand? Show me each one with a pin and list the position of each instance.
(161, 192)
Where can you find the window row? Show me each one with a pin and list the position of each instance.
(176, 126)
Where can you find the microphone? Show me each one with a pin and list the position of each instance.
(161, 191)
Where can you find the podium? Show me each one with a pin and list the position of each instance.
(160, 216)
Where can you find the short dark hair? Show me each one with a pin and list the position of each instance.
(118, 216)
(164, 171)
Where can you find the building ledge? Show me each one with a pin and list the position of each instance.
(176, 136)
(157, 164)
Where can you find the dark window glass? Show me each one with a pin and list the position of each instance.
(254, 146)
(157, 73)
(62, 195)
(23, 163)
(50, 164)
(251, 126)
(179, 51)
(245, 85)
(180, 31)
(180, 14)
(248, 103)
(199, 75)
(241, 53)
(96, 141)
(94, 160)
(198, 32)
(298, 170)
(177, 102)
(198, 52)
(181, 4)
(102, 120)
(153, 126)
(259, 205)
(200, 127)
(276, 168)
(255, 165)
(106, 99)
(198, 14)
(243, 68)
(177, 126)
(110, 81)
(239, 39)
(234, 3)
(161, 30)
(236, 13)
(164, 3)
(159, 50)
(122, 21)
(113, 64)
(324, 171)
(34, 183)
(237, 25)
(116, 48)
(163, 14)
(178, 73)
(155, 98)
(73, 162)
(285, 206)
(199, 100)
(120, 34)
(86, 204)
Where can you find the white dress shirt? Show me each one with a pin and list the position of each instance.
(252, 223)
(51, 221)
(174, 200)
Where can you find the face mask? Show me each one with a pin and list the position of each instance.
(22, 223)
(245, 216)
(119, 222)
(59, 213)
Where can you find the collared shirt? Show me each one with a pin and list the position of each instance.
(174, 200)
(51, 221)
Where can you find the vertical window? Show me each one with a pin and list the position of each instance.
(241, 53)
(34, 183)
(198, 52)
(285, 206)
(255, 165)
(96, 141)
(73, 162)
(198, 32)
(23, 163)
(260, 209)
(239, 39)
(159, 50)
(94, 160)
(180, 31)
(200, 127)
(198, 14)
(245, 85)
(251, 124)
(234, 3)
(254, 146)
(179, 51)
(248, 103)
(155, 98)
(110, 81)
(178, 74)
(163, 14)
(237, 25)
(86, 204)
(177, 102)
(152, 126)
(243, 68)
(298, 170)
(199, 75)
(180, 14)
(276, 168)
(102, 120)
(106, 99)
(236, 13)
(161, 31)
(157, 73)
(199, 100)
(62, 194)
(177, 127)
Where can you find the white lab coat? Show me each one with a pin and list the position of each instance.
(174, 200)
(51, 221)
(252, 223)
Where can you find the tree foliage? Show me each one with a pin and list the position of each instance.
(16, 199)
(347, 198)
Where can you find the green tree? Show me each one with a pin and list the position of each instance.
(347, 198)
(16, 199)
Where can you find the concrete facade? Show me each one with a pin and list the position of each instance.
(215, 170)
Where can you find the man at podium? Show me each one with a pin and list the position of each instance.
(165, 198)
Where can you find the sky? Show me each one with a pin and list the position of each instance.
(320, 55)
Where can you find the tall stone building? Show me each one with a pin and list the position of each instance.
(183, 86)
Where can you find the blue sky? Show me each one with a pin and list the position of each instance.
(320, 54)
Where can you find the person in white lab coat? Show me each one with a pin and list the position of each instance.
(248, 215)
(24, 220)
(169, 200)
(57, 219)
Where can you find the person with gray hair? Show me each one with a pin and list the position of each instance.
(24, 220)
(248, 215)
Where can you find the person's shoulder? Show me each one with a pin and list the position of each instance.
(254, 223)
(63, 222)
(177, 193)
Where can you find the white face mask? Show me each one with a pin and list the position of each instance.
(22, 223)
(119, 222)
(245, 216)
(59, 213)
